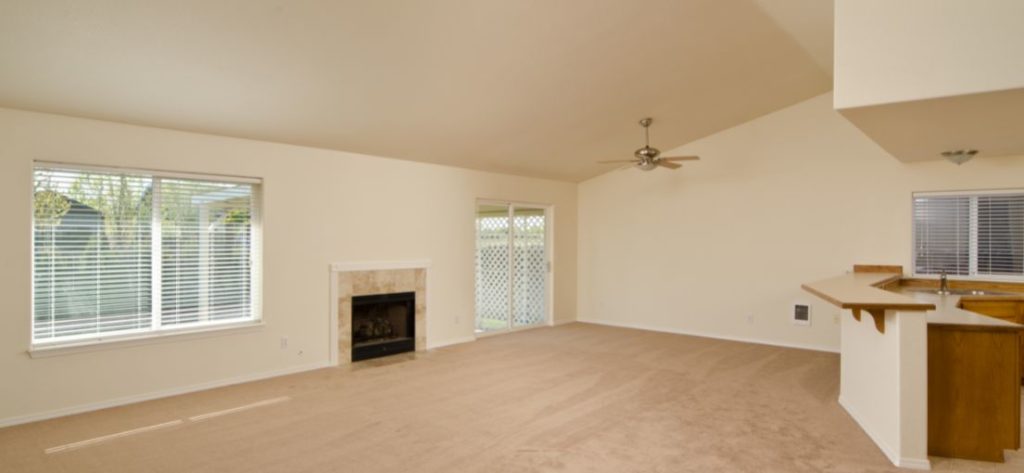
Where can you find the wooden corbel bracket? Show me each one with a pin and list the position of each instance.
(877, 314)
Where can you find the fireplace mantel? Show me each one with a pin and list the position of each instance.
(373, 277)
(379, 265)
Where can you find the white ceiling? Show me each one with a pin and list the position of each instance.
(532, 87)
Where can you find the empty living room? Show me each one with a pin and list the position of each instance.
(523, 236)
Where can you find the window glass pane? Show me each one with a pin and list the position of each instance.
(492, 268)
(119, 252)
(92, 260)
(1001, 234)
(530, 267)
(971, 234)
(206, 251)
(942, 235)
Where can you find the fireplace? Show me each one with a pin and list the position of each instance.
(383, 324)
(351, 281)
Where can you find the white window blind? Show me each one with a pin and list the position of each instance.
(969, 234)
(117, 253)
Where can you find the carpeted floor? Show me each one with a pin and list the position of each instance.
(574, 398)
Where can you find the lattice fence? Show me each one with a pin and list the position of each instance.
(492, 272)
(492, 266)
(530, 273)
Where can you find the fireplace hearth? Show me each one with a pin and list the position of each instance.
(383, 324)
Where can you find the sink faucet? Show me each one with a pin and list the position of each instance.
(943, 283)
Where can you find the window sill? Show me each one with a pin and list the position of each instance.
(976, 277)
(126, 341)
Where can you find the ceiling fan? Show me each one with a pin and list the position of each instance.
(647, 158)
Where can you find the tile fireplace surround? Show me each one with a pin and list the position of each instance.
(364, 279)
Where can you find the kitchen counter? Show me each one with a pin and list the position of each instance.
(928, 377)
(881, 291)
(948, 312)
(860, 290)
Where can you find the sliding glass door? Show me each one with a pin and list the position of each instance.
(511, 267)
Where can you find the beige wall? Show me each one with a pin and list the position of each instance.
(894, 51)
(791, 197)
(319, 207)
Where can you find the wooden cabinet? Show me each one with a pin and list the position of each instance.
(1010, 310)
(973, 392)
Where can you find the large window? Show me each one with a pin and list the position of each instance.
(970, 234)
(121, 253)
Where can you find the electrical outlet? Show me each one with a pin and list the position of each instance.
(750, 319)
(835, 318)
(456, 320)
(284, 343)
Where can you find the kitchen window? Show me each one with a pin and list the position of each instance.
(123, 254)
(970, 234)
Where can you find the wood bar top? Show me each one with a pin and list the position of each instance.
(861, 290)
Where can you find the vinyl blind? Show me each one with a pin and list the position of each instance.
(971, 234)
(206, 251)
(1000, 230)
(118, 252)
(92, 253)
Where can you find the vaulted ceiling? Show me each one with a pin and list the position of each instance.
(531, 87)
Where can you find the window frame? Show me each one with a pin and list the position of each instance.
(157, 332)
(972, 246)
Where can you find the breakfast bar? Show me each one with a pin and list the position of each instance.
(920, 373)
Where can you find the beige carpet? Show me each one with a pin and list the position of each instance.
(575, 398)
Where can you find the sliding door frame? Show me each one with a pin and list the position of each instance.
(549, 256)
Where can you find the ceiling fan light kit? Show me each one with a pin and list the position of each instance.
(647, 157)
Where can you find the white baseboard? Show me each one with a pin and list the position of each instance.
(915, 463)
(887, 450)
(454, 341)
(95, 406)
(710, 335)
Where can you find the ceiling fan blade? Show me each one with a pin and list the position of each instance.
(614, 161)
(681, 158)
(667, 164)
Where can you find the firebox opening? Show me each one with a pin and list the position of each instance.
(383, 325)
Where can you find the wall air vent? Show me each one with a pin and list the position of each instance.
(801, 314)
